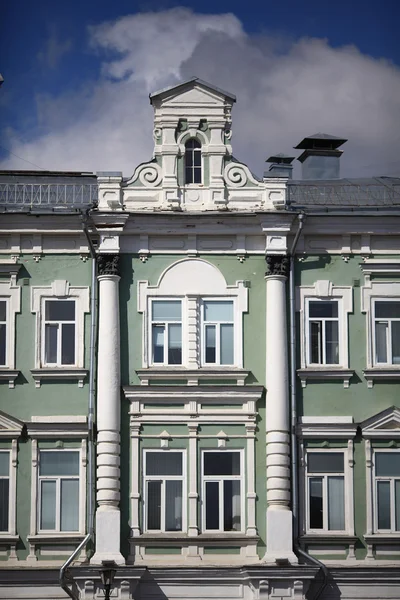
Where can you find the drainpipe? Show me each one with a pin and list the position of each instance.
(293, 406)
(64, 578)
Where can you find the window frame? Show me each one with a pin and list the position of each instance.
(58, 479)
(389, 347)
(166, 323)
(199, 149)
(322, 351)
(60, 335)
(164, 478)
(220, 479)
(11, 294)
(325, 502)
(392, 479)
(217, 324)
(11, 495)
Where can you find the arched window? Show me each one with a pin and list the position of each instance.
(192, 161)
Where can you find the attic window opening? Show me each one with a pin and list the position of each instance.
(193, 168)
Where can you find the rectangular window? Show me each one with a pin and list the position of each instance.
(323, 332)
(326, 491)
(4, 491)
(166, 332)
(222, 491)
(59, 332)
(59, 490)
(218, 332)
(3, 333)
(387, 491)
(387, 332)
(163, 489)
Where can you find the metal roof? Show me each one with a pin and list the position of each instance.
(47, 191)
(210, 86)
(320, 140)
(372, 193)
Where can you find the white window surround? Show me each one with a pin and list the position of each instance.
(325, 290)
(56, 428)
(11, 293)
(220, 480)
(376, 291)
(164, 478)
(60, 289)
(376, 528)
(383, 426)
(191, 280)
(10, 430)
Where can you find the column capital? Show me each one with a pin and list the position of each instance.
(108, 264)
(277, 266)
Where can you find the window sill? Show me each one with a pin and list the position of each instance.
(192, 376)
(325, 373)
(331, 537)
(9, 375)
(8, 538)
(381, 374)
(383, 538)
(56, 538)
(59, 373)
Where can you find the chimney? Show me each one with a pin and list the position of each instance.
(321, 157)
(281, 166)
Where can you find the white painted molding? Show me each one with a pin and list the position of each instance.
(59, 373)
(326, 428)
(11, 293)
(325, 373)
(192, 376)
(383, 425)
(10, 427)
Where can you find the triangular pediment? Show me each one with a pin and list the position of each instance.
(384, 424)
(9, 426)
(194, 91)
(197, 96)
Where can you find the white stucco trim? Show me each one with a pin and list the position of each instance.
(11, 293)
(60, 289)
(191, 280)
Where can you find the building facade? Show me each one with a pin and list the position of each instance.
(199, 373)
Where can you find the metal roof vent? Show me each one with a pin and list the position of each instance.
(281, 166)
(321, 157)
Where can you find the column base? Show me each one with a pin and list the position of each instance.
(107, 537)
(280, 538)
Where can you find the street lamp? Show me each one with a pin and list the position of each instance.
(107, 574)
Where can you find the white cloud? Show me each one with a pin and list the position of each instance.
(285, 91)
(54, 49)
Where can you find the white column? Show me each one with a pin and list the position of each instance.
(107, 529)
(279, 515)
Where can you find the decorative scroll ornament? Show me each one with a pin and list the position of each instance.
(235, 175)
(228, 133)
(108, 264)
(157, 131)
(277, 265)
(149, 175)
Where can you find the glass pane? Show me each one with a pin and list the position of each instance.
(197, 175)
(231, 505)
(380, 341)
(218, 310)
(387, 310)
(174, 344)
(383, 488)
(323, 309)
(221, 463)
(197, 158)
(158, 343)
(173, 506)
(332, 342)
(50, 344)
(2, 344)
(163, 463)
(211, 355)
(3, 310)
(68, 344)
(60, 310)
(4, 464)
(316, 513)
(316, 342)
(396, 342)
(387, 464)
(189, 158)
(154, 505)
(212, 505)
(59, 463)
(325, 462)
(397, 503)
(70, 505)
(4, 503)
(167, 310)
(188, 175)
(48, 505)
(336, 503)
(226, 345)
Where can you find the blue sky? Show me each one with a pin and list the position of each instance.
(78, 73)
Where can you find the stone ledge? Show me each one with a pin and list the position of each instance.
(325, 373)
(61, 374)
(377, 374)
(192, 376)
(9, 375)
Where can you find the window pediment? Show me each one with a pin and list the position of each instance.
(383, 425)
(9, 426)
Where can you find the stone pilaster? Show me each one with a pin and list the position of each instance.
(279, 515)
(108, 414)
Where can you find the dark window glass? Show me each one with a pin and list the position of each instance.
(387, 310)
(163, 463)
(60, 310)
(383, 504)
(323, 309)
(324, 462)
(4, 504)
(316, 515)
(212, 505)
(387, 464)
(68, 344)
(221, 463)
(2, 344)
(3, 311)
(154, 505)
(192, 161)
(231, 505)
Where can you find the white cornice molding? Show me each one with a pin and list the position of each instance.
(327, 427)
(61, 426)
(385, 424)
(192, 376)
(10, 427)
